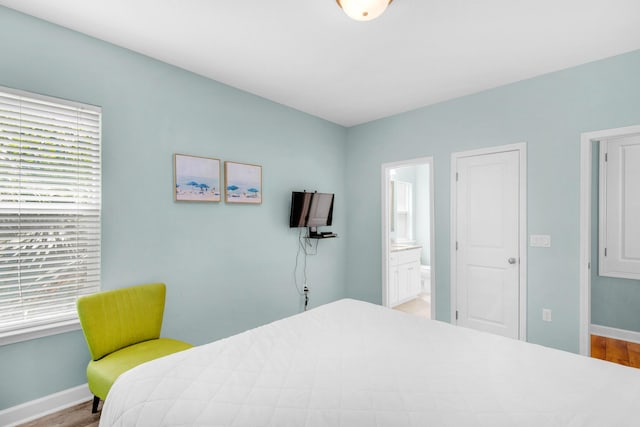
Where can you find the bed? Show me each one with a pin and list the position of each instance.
(351, 363)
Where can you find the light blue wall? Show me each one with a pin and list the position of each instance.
(548, 113)
(227, 267)
(614, 302)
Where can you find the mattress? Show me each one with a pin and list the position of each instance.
(351, 363)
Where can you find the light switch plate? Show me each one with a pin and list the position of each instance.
(540, 240)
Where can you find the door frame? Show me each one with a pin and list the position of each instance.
(521, 148)
(386, 205)
(586, 142)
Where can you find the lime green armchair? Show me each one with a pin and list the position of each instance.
(122, 329)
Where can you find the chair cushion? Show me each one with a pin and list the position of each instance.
(102, 373)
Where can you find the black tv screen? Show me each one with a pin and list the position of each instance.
(300, 203)
(321, 210)
(311, 209)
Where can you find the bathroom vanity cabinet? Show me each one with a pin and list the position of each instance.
(404, 274)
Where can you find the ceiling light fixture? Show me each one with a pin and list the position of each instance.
(363, 10)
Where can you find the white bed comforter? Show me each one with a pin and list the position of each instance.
(351, 363)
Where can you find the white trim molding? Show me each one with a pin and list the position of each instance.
(39, 332)
(615, 333)
(43, 406)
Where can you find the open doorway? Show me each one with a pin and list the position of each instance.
(590, 251)
(407, 236)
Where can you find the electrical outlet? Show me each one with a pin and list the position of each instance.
(546, 314)
(540, 240)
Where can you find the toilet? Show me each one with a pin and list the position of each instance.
(425, 278)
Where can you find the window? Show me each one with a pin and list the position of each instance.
(50, 203)
(403, 211)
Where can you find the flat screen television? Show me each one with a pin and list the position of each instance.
(311, 209)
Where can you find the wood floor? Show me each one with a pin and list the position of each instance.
(76, 416)
(616, 351)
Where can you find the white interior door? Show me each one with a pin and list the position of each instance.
(487, 209)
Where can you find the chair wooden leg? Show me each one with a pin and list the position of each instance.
(96, 401)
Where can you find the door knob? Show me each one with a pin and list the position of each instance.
(511, 260)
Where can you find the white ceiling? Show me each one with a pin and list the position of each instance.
(308, 55)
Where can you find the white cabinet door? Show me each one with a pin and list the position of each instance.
(414, 280)
(407, 269)
(393, 296)
(619, 252)
(403, 282)
(395, 286)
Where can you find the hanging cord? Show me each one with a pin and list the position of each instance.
(295, 268)
(306, 247)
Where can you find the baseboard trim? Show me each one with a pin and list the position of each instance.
(615, 333)
(46, 405)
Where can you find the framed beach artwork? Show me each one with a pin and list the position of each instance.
(242, 183)
(196, 179)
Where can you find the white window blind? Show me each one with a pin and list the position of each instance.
(50, 204)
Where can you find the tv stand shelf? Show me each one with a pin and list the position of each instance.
(322, 236)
